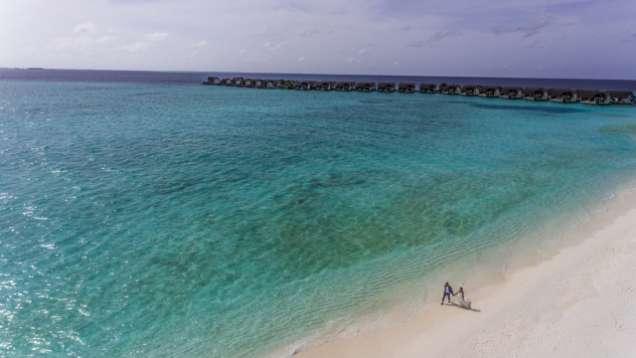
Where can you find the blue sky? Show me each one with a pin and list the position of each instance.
(526, 38)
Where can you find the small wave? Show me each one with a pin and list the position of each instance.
(49, 246)
(83, 312)
(29, 211)
(5, 197)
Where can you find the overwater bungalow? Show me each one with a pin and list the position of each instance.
(365, 87)
(314, 85)
(324, 86)
(511, 93)
(345, 86)
(563, 95)
(248, 82)
(303, 86)
(237, 81)
(427, 88)
(282, 84)
(535, 94)
(212, 80)
(622, 97)
(259, 83)
(406, 87)
(290, 84)
(489, 91)
(594, 97)
(270, 84)
(450, 89)
(469, 90)
(386, 87)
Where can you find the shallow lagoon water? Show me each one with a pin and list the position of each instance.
(183, 220)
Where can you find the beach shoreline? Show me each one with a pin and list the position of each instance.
(569, 301)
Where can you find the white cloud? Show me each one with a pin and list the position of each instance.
(86, 39)
(85, 28)
(105, 39)
(200, 44)
(274, 46)
(84, 36)
(137, 46)
(156, 36)
(147, 42)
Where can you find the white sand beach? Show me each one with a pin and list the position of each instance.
(580, 302)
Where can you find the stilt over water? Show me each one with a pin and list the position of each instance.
(529, 94)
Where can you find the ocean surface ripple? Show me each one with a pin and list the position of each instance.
(155, 219)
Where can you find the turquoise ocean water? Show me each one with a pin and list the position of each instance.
(172, 220)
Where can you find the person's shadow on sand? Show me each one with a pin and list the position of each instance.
(466, 308)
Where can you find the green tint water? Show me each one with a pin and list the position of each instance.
(172, 220)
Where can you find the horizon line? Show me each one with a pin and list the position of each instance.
(315, 74)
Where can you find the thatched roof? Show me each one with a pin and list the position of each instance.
(324, 86)
(621, 94)
(591, 94)
(304, 85)
(468, 89)
(449, 89)
(490, 89)
(516, 92)
(596, 97)
(559, 92)
(344, 86)
(365, 86)
(534, 91)
(386, 87)
(406, 87)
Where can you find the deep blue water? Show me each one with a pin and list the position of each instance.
(196, 77)
(163, 218)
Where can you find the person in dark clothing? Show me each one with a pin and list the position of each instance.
(448, 292)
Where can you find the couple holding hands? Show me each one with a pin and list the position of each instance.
(448, 292)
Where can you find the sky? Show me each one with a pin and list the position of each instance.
(499, 38)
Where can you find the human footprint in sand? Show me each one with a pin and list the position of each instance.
(448, 292)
